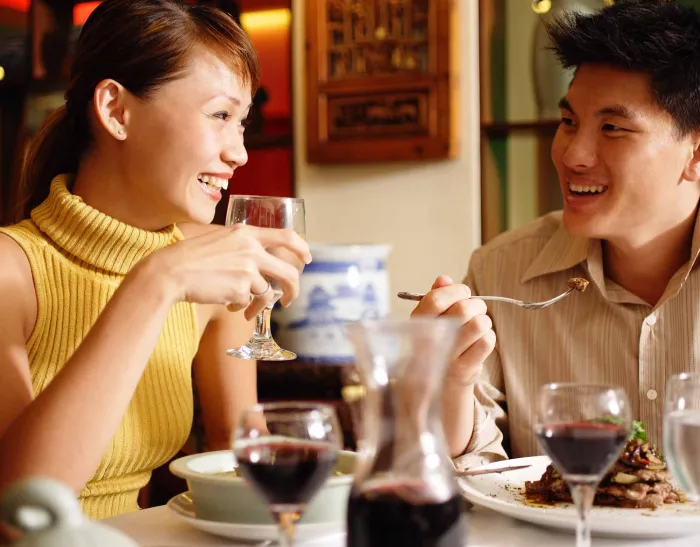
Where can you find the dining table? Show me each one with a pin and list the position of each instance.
(160, 527)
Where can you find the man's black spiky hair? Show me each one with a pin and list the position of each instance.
(659, 38)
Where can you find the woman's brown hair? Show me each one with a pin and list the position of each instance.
(142, 44)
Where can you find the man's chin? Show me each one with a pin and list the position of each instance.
(580, 226)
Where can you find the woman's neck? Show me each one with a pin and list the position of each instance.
(101, 185)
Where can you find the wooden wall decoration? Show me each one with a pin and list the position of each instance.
(381, 84)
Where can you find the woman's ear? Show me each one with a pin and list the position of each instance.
(109, 106)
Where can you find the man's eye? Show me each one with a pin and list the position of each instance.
(566, 121)
(611, 127)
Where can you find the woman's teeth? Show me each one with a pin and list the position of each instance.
(579, 189)
(216, 182)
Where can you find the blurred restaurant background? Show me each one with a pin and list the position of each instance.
(415, 130)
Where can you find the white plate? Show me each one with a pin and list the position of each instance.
(504, 493)
(183, 508)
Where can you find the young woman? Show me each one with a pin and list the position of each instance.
(105, 298)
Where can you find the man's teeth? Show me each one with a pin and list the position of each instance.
(581, 189)
(217, 182)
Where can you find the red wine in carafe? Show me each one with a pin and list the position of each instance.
(382, 518)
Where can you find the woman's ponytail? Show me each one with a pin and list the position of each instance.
(53, 150)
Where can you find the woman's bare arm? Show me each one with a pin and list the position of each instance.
(64, 432)
(226, 386)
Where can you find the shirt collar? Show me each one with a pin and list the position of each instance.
(564, 251)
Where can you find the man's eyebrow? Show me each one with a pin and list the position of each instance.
(565, 105)
(612, 110)
(618, 110)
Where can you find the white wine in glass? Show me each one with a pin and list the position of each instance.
(266, 212)
(682, 431)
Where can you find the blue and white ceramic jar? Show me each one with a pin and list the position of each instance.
(343, 283)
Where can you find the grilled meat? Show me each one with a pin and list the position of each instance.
(638, 479)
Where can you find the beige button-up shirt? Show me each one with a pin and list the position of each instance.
(605, 335)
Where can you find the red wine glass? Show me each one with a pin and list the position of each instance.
(286, 451)
(583, 429)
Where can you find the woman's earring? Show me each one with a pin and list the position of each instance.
(120, 132)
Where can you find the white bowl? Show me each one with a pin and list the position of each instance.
(231, 499)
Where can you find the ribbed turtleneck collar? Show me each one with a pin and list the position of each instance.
(94, 237)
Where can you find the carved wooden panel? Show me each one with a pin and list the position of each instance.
(380, 82)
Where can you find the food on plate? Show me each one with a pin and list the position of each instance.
(638, 479)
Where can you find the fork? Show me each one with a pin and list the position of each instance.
(527, 305)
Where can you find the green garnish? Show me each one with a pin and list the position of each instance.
(638, 431)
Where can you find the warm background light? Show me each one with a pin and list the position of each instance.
(82, 11)
(19, 5)
(269, 30)
(2, 73)
(266, 20)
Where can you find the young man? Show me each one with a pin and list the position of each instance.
(627, 153)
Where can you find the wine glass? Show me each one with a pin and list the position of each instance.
(286, 451)
(682, 431)
(583, 429)
(266, 212)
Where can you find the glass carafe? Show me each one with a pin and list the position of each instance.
(405, 491)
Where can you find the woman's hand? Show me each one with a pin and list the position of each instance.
(227, 265)
(476, 339)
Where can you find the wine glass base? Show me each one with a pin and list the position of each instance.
(262, 350)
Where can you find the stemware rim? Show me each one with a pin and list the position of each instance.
(563, 386)
(685, 376)
(293, 409)
(252, 197)
(394, 322)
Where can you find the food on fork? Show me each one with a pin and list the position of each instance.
(639, 479)
(578, 283)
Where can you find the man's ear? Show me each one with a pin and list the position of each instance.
(108, 103)
(692, 168)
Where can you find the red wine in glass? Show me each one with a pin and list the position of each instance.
(583, 449)
(286, 473)
(583, 428)
(382, 516)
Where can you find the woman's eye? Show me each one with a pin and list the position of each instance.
(246, 122)
(225, 116)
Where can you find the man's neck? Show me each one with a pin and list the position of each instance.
(645, 268)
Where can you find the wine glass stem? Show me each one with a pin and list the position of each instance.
(262, 320)
(583, 494)
(286, 521)
(262, 323)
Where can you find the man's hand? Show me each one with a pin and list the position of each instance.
(476, 339)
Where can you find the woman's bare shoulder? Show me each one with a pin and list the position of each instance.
(15, 264)
(16, 283)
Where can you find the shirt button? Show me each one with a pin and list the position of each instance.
(652, 394)
(651, 320)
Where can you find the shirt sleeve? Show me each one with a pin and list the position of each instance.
(490, 418)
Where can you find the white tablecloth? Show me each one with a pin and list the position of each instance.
(158, 527)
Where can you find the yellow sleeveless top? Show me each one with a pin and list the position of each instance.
(78, 257)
